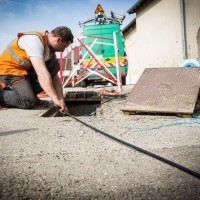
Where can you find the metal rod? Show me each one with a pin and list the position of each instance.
(183, 22)
(119, 82)
(72, 64)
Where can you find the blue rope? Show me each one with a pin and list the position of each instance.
(177, 122)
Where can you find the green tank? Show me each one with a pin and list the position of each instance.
(98, 37)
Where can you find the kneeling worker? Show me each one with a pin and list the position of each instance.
(29, 66)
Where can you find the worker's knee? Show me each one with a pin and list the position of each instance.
(17, 100)
(26, 103)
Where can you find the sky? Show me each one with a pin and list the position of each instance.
(39, 15)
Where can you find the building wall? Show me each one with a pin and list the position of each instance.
(157, 40)
(131, 50)
(192, 27)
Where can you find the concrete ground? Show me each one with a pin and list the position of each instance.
(60, 158)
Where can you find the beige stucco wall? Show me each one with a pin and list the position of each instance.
(157, 39)
(131, 50)
(192, 27)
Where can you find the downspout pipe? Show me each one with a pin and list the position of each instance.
(183, 22)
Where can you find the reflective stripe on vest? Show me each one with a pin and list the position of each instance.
(17, 58)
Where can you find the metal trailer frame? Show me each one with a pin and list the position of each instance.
(108, 74)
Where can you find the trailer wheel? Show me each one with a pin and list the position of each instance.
(83, 83)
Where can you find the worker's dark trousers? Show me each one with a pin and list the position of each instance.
(21, 91)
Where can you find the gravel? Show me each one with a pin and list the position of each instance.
(59, 158)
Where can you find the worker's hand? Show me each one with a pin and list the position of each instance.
(65, 110)
(60, 104)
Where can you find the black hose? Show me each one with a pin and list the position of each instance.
(182, 168)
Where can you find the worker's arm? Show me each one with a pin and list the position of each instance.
(45, 81)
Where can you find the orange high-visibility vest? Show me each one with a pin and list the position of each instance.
(14, 60)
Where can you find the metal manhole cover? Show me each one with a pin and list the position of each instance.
(165, 90)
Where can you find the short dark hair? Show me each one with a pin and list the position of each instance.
(63, 32)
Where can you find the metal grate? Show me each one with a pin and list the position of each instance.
(165, 90)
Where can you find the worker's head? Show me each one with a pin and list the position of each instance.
(61, 38)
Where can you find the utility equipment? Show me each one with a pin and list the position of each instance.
(103, 53)
(103, 57)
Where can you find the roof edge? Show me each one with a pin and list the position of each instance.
(128, 26)
(135, 7)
